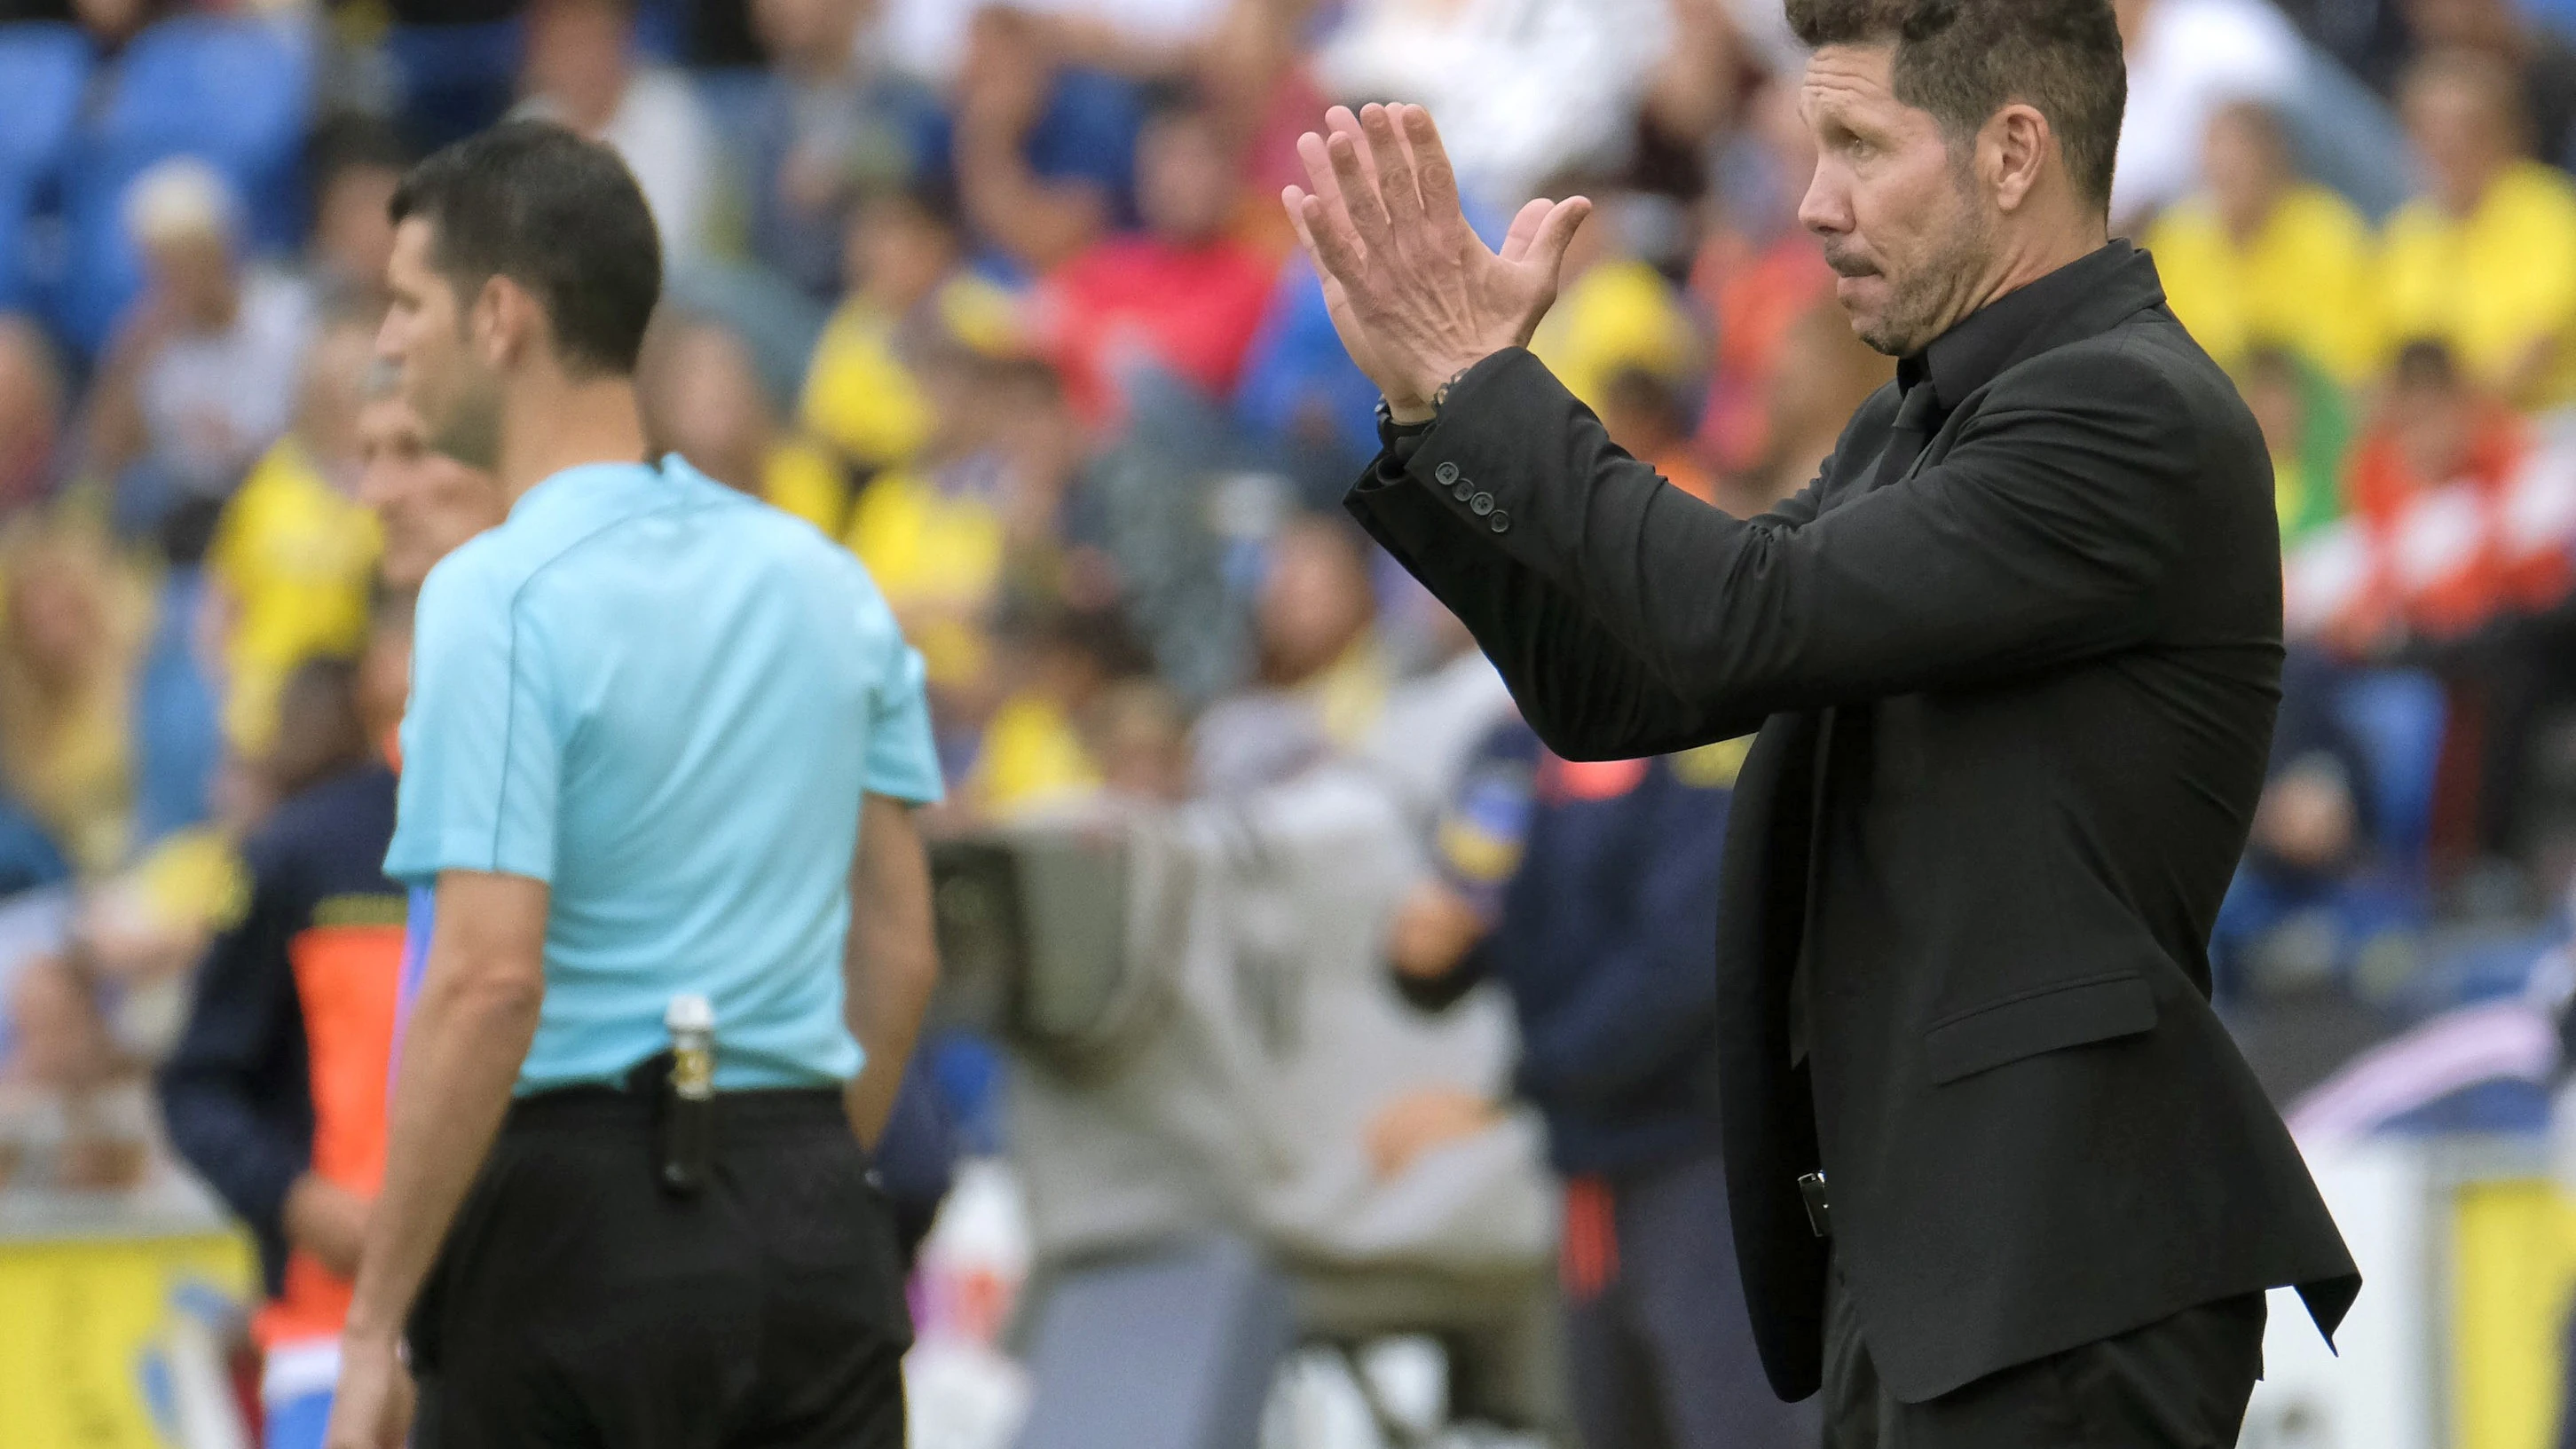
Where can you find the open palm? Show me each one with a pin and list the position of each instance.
(1415, 294)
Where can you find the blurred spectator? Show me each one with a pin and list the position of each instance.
(908, 293)
(1758, 272)
(1819, 377)
(1524, 89)
(353, 165)
(110, 23)
(73, 629)
(1583, 889)
(295, 551)
(703, 399)
(830, 124)
(1036, 753)
(944, 535)
(1045, 157)
(275, 1091)
(2543, 60)
(33, 401)
(1302, 400)
(426, 503)
(2305, 425)
(581, 70)
(1321, 679)
(1614, 311)
(201, 376)
(1181, 297)
(2301, 907)
(2260, 258)
(2427, 481)
(1140, 739)
(2485, 259)
(1643, 415)
(72, 1115)
(2187, 59)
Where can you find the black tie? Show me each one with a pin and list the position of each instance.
(1918, 417)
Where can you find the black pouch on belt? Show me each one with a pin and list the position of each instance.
(684, 1125)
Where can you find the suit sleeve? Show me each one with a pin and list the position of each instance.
(2043, 536)
(243, 1026)
(1583, 689)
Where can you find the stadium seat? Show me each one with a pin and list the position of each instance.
(43, 69)
(236, 92)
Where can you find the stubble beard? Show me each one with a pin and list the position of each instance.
(470, 430)
(1926, 302)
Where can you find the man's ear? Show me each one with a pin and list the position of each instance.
(2013, 150)
(505, 322)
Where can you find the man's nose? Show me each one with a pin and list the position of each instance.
(1826, 207)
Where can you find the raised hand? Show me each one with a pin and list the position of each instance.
(1415, 295)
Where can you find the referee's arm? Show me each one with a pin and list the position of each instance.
(468, 1035)
(891, 963)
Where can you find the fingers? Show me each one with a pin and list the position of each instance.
(1516, 243)
(1360, 200)
(1327, 234)
(1394, 167)
(1556, 232)
(1434, 179)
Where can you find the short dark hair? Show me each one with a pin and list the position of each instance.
(557, 214)
(1964, 60)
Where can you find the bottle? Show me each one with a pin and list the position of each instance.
(689, 1100)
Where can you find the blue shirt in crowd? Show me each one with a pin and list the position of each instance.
(664, 700)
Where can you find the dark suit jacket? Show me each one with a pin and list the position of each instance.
(2014, 705)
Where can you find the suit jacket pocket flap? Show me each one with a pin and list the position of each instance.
(2043, 1021)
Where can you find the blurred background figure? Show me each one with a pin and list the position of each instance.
(582, 69)
(2260, 258)
(1583, 890)
(2444, 271)
(201, 377)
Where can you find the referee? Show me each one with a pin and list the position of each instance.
(663, 742)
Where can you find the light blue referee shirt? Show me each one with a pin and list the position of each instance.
(664, 700)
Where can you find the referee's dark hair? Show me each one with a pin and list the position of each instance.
(1964, 60)
(557, 214)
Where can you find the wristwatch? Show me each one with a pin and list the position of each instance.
(1389, 430)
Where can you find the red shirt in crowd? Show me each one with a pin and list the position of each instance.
(1139, 300)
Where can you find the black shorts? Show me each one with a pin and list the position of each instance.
(577, 1303)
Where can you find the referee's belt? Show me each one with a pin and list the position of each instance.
(639, 1103)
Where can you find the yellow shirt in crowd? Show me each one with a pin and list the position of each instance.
(296, 556)
(2493, 283)
(1616, 316)
(2303, 282)
(1032, 758)
(859, 395)
(937, 557)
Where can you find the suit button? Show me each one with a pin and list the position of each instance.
(1463, 491)
(1447, 473)
(1501, 522)
(1481, 504)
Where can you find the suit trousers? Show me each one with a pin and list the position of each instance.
(2181, 1383)
(576, 1302)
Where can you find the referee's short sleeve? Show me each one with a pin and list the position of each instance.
(481, 746)
(903, 758)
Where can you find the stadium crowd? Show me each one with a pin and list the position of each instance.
(1001, 296)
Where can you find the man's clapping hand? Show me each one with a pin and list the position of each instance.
(1416, 296)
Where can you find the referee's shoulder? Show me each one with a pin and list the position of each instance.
(479, 569)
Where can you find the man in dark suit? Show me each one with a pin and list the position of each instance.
(1998, 1176)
